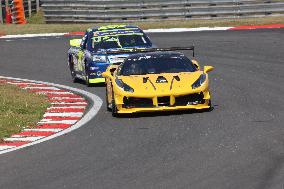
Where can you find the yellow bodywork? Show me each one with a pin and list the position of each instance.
(172, 89)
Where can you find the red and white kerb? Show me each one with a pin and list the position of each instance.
(67, 109)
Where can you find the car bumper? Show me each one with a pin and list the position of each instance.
(198, 100)
(165, 108)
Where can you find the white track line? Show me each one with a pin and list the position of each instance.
(186, 29)
(23, 139)
(50, 121)
(69, 103)
(146, 31)
(67, 114)
(54, 108)
(67, 106)
(5, 147)
(19, 83)
(93, 110)
(43, 88)
(44, 130)
(63, 98)
(32, 35)
(52, 92)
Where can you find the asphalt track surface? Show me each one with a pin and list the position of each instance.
(239, 144)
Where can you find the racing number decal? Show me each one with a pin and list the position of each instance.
(98, 39)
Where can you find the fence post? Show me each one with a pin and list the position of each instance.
(1, 16)
(37, 5)
(30, 8)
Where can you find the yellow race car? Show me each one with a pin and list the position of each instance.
(157, 80)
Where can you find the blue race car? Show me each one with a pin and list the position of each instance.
(90, 56)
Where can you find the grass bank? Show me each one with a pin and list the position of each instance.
(19, 109)
(36, 25)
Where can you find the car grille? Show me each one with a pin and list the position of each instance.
(164, 101)
(137, 102)
(191, 99)
(186, 100)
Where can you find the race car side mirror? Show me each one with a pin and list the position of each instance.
(195, 63)
(208, 69)
(75, 42)
(112, 70)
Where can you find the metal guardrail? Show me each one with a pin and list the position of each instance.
(30, 6)
(60, 11)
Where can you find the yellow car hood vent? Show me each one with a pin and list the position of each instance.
(164, 83)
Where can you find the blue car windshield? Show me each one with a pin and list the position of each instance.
(127, 41)
(121, 41)
(156, 65)
(107, 45)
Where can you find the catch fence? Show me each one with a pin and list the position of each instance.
(87, 11)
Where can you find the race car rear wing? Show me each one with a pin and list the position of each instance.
(140, 50)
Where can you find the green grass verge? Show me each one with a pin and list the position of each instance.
(36, 24)
(19, 109)
(37, 18)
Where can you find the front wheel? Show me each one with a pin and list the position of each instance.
(71, 67)
(87, 77)
(108, 105)
(113, 107)
(87, 81)
(210, 106)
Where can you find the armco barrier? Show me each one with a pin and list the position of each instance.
(60, 11)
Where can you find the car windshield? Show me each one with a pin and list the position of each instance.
(156, 65)
(107, 45)
(133, 41)
(121, 41)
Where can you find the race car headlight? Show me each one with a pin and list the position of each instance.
(199, 81)
(97, 58)
(124, 86)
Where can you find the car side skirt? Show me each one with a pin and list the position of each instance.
(97, 80)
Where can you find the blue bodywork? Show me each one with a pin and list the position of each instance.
(93, 56)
